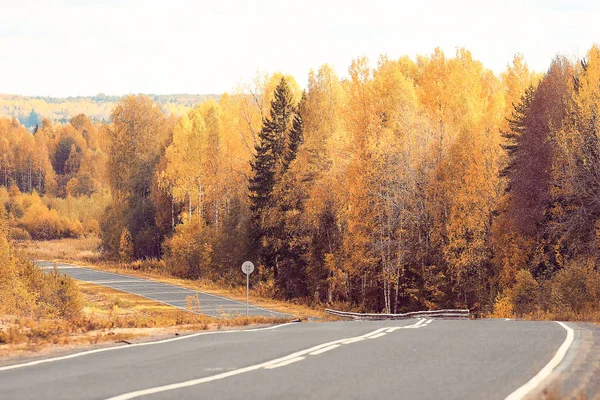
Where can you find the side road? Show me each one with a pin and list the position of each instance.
(175, 296)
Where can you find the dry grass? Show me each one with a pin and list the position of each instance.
(592, 316)
(111, 316)
(111, 309)
(554, 392)
(84, 252)
(80, 250)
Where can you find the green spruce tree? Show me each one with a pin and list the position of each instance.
(273, 154)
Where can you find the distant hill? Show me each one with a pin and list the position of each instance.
(31, 110)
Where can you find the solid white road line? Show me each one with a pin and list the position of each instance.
(547, 370)
(283, 364)
(278, 362)
(324, 349)
(102, 350)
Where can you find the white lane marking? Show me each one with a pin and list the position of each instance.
(547, 370)
(324, 349)
(377, 336)
(297, 356)
(268, 328)
(353, 340)
(84, 353)
(375, 332)
(283, 364)
(417, 325)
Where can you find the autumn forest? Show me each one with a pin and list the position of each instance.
(414, 184)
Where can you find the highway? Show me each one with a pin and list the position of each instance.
(175, 296)
(409, 359)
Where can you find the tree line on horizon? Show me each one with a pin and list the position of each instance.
(31, 111)
(427, 183)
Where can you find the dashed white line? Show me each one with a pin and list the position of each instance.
(284, 363)
(375, 332)
(377, 336)
(324, 349)
(419, 324)
(276, 363)
(353, 340)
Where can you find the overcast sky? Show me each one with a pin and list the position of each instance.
(85, 47)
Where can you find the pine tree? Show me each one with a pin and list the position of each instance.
(517, 127)
(296, 137)
(273, 154)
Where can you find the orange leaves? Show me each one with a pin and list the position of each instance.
(395, 197)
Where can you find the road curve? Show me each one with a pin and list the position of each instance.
(411, 359)
(162, 292)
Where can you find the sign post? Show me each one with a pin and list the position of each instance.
(247, 268)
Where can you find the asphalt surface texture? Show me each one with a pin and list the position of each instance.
(409, 359)
(175, 296)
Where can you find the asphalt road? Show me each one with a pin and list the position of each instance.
(168, 294)
(411, 359)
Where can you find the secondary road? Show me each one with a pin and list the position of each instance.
(175, 296)
(410, 359)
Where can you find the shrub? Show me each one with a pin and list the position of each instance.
(525, 293)
(148, 264)
(41, 223)
(70, 228)
(26, 291)
(503, 307)
(15, 208)
(91, 227)
(576, 287)
(19, 234)
(126, 246)
(187, 247)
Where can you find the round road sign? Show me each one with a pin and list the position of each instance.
(247, 267)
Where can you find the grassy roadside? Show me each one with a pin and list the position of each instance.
(84, 252)
(590, 316)
(110, 316)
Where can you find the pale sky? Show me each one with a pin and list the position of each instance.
(84, 47)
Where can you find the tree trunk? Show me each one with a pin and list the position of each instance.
(172, 214)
